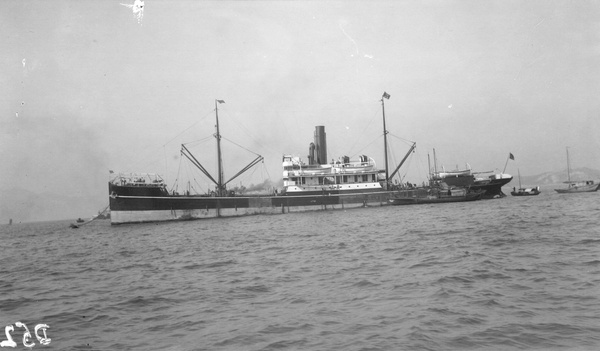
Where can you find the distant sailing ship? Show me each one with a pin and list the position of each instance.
(315, 185)
(582, 186)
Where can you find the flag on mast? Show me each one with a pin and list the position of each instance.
(221, 101)
(386, 95)
(510, 155)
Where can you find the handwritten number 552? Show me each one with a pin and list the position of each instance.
(27, 342)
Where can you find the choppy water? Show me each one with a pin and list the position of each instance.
(506, 274)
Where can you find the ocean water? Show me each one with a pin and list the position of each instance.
(504, 274)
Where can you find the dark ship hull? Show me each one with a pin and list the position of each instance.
(129, 204)
(424, 198)
(490, 186)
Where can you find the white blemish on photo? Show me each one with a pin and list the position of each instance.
(138, 10)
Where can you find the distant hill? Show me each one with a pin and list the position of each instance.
(25, 206)
(552, 178)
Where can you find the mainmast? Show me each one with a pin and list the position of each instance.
(385, 147)
(220, 186)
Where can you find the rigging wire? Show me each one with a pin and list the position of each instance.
(266, 170)
(176, 182)
(150, 157)
(222, 137)
(199, 141)
(243, 171)
(246, 130)
(364, 147)
(419, 166)
(361, 135)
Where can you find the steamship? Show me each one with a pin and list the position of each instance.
(307, 186)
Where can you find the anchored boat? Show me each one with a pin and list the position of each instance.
(312, 185)
(525, 191)
(581, 186)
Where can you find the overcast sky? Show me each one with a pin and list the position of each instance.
(88, 87)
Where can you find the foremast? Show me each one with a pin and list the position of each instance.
(220, 186)
(220, 183)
